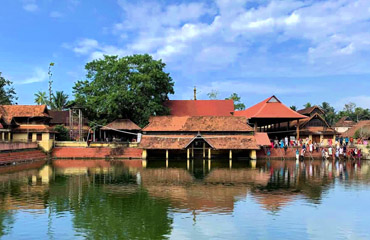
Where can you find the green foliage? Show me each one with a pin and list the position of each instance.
(59, 101)
(330, 114)
(238, 105)
(307, 105)
(362, 133)
(133, 87)
(213, 95)
(40, 98)
(293, 108)
(7, 92)
(62, 133)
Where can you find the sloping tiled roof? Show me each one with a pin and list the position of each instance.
(262, 139)
(59, 117)
(309, 110)
(8, 112)
(216, 141)
(345, 122)
(121, 124)
(198, 123)
(361, 124)
(33, 128)
(270, 108)
(200, 107)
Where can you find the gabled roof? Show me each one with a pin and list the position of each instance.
(198, 124)
(307, 120)
(309, 110)
(121, 124)
(262, 138)
(345, 122)
(270, 108)
(8, 112)
(200, 107)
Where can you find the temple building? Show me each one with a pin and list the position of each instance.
(201, 137)
(344, 124)
(26, 123)
(270, 115)
(120, 130)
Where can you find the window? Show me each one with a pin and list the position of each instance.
(273, 100)
(6, 136)
(51, 136)
(29, 136)
(39, 137)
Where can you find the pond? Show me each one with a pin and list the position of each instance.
(98, 199)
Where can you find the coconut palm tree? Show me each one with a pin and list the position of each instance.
(40, 98)
(59, 101)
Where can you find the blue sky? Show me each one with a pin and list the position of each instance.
(299, 50)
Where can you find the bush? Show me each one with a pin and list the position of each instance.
(62, 133)
(362, 133)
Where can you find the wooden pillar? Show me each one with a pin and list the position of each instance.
(167, 154)
(204, 150)
(2, 136)
(187, 164)
(253, 154)
(209, 165)
(255, 127)
(166, 163)
(188, 153)
(253, 164)
(209, 153)
(230, 154)
(298, 129)
(192, 151)
(230, 164)
(143, 163)
(144, 154)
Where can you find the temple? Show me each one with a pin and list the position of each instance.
(201, 136)
(269, 116)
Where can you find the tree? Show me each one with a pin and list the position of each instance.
(59, 101)
(307, 105)
(62, 133)
(7, 92)
(213, 95)
(293, 108)
(133, 87)
(330, 114)
(238, 105)
(40, 98)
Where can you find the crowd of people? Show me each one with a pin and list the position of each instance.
(341, 148)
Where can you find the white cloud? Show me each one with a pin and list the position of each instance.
(55, 14)
(295, 37)
(30, 7)
(39, 75)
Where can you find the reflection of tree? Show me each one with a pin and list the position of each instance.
(119, 210)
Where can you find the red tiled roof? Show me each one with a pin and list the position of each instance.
(200, 107)
(8, 112)
(345, 122)
(262, 139)
(34, 128)
(198, 123)
(361, 124)
(121, 124)
(310, 110)
(216, 141)
(269, 108)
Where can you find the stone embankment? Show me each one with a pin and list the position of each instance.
(100, 152)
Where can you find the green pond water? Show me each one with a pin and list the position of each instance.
(98, 199)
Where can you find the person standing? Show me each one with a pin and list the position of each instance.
(286, 141)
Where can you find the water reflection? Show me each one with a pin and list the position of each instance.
(136, 200)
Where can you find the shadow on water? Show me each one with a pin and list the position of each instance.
(136, 200)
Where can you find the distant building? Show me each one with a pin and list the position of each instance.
(344, 124)
(120, 130)
(26, 123)
(361, 126)
(311, 111)
(64, 118)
